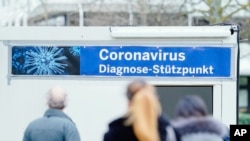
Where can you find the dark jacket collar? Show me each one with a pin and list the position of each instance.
(117, 122)
(56, 113)
(162, 122)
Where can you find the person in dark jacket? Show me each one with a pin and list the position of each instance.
(55, 125)
(143, 121)
(194, 124)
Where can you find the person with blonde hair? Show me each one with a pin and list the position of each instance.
(144, 120)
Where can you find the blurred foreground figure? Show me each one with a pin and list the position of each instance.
(54, 125)
(194, 124)
(143, 120)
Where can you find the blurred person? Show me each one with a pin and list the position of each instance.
(144, 120)
(193, 122)
(55, 125)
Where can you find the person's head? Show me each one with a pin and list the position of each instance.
(57, 98)
(134, 87)
(191, 106)
(144, 110)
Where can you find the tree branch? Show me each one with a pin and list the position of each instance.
(182, 5)
(235, 11)
(227, 4)
(238, 3)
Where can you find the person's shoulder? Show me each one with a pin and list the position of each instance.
(34, 123)
(118, 131)
(206, 124)
(163, 120)
(67, 123)
(117, 122)
(37, 120)
(220, 125)
(118, 125)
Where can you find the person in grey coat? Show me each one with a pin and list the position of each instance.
(55, 125)
(193, 123)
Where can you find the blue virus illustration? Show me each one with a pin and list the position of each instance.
(75, 50)
(44, 61)
(18, 60)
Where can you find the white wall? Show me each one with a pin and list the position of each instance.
(92, 104)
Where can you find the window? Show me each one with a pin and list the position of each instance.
(244, 100)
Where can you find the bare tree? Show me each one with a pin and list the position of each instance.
(111, 12)
(159, 13)
(221, 11)
(135, 12)
(216, 11)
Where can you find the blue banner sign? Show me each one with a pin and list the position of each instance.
(165, 61)
(169, 61)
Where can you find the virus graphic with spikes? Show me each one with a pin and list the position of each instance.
(45, 61)
(75, 50)
(18, 58)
